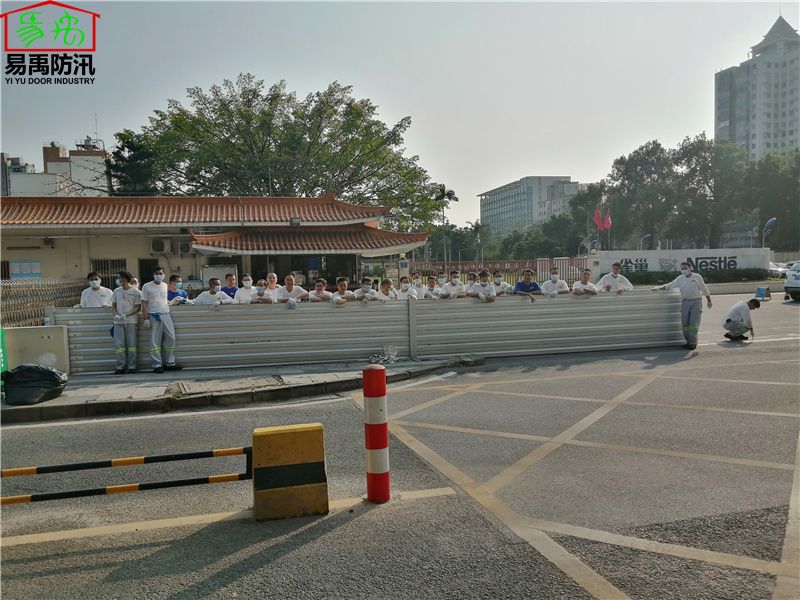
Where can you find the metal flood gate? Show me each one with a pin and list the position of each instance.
(264, 334)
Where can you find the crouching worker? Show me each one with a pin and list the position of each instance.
(738, 321)
(126, 301)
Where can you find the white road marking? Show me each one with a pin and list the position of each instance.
(423, 381)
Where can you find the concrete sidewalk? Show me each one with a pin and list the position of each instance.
(98, 395)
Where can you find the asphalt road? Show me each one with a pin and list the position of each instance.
(655, 474)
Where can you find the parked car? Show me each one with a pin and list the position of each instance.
(777, 270)
(792, 284)
(790, 264)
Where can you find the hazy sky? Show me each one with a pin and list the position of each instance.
(495, 91)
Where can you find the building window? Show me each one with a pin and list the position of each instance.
(109, 267)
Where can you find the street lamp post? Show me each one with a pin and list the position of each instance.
(644, 237)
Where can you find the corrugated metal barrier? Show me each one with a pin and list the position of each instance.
(260, 335)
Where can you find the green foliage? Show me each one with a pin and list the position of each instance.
(722, 276)
(242, 139)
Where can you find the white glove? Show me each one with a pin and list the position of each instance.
(291, 303)
(77, 306)
(146, 323)
(482, 297)
(452, 295)
(120, 319)
(553, 294)
(365, 300)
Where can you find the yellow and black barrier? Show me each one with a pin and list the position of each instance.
(289, 477)
(129, 487)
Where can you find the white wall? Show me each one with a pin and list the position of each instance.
(704, 260)
(36, 184)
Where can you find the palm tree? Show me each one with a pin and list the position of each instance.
(446, 196)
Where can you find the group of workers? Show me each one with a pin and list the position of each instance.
(155, 298)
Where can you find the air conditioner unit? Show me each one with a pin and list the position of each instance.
(160, 245)
(185, 248)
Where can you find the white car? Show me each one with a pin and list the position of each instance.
(792, 284)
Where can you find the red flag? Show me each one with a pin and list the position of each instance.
(607, 221)
(598, 219)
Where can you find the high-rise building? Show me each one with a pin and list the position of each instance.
(528, 201)
(757, 104)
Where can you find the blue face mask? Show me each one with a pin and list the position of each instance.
(179, 284)
(158, 277)
(442, 280)
(259, 289)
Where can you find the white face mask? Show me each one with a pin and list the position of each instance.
(455, 281)
(685, 272)
(484, 283)
(118, 282)
(248, 283)
(615, 275)
(216, 288)
(404, 286)
(158, 278)
(94, 283)
(553, 277)
(498, 280)
(417, 282)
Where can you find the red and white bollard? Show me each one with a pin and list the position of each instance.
(376, 433)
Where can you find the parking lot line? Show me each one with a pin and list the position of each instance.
(435, 401)
(719, 379)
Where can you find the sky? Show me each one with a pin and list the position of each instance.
(495, 91)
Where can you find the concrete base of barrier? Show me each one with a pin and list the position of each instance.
(289, 477)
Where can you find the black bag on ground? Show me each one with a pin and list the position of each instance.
(31, 384)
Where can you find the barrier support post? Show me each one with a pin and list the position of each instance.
(289, 477)
(376, 434)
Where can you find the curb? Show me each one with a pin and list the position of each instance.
(97, 408)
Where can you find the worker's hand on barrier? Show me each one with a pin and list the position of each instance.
(482, 297)
(619, 292)
(607, 288)
(77, 306)
(146, 323)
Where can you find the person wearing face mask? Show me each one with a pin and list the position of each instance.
(555, 286)
(527, 286)
(175, 292)
(472, 279)
(501, 287)
(692, 288)
(406, 291)
(418, 285)
(342, 295)
(95, 296)
(615, 281)
(230, 287)
(245, 294)
(319, 293)
(290, 293)
(155, 307)
(441, 279)
(126, 301)
(453, 288)
(584, 287)
(261, 296)
(214, 294)
(365, 293)
(385, 292)
(482, 289)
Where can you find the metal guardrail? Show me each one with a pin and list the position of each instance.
(128, 487)
(264, 335)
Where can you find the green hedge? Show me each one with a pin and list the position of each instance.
(661, 277)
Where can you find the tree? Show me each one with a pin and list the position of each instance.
(772, 188)
(240, 139)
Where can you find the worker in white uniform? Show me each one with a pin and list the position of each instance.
(214, 294)
(739, 321)
(453, 288)
(162, 332)
(95, 296)
(584, 287)
(261, 295)
(385, 292)
(365, 293)
(692, 288)
(418, 284)
(126, 302)
(501, 287)
(472, 279)
(290, 293)
(245, 294)
(614, 281)
(406, 291)
(430, 291)
(319, 293)
(482, 289)
(271, 291)
(555, 285)
(342, 295)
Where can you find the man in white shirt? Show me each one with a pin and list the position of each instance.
(738, 320)
(453, 288)
(214, 294)
(555, 285)
(319, 293)
(261, 296)
(342, 295)
(365, 293)
(126, 301)
(385, 293)
(692, 288)
(614, 281)
(95, 296)
(584, 287)
(272, 286)
(406, 291)
(162, 332)
(501, 287)
(290, 293)
(245, 294)
(482, 289)
(429, 291)
(418, 285)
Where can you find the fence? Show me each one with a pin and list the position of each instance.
(263, 334)
(25, 301)
(570, 268)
